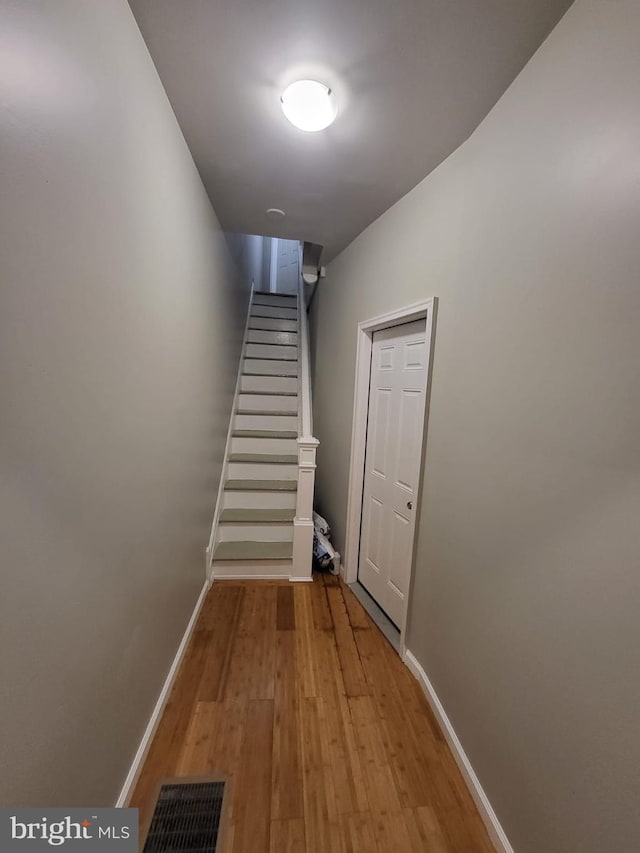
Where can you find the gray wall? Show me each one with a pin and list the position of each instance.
(527, 590)
(247, 252)
(121, 316)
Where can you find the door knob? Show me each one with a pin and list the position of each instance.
(409, 505)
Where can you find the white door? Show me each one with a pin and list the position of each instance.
(397, 393)
(288, 266)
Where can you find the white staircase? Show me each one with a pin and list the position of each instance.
(264, 525)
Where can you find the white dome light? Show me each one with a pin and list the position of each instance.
(309, 105)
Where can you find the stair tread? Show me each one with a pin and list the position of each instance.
(259, 316)
(268, 458)
(269, 357)
(291, 345)
(289, 356)
(253, 551)
(269, 412)
(273, 338)
(241, 485)
(270, 393)
(286, 363)
(260, 327)
(273, 370)
(265, 433)
(277, 295)
(291, 321)
(257, 308)
(272, 343)
(257, 516)
(270, 375)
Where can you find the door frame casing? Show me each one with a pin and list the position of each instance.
(417, 311)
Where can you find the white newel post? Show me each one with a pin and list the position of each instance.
(303, 522)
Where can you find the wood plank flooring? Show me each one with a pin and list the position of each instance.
(292, 692)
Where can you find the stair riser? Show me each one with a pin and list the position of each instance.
(273, 325)
(259, 569)
(253, 471)
(255, 533)
(275, 301)
(258, 500)
(271, 351)
(264, 445)
(267, 403)
(246, 485)
(274, 422)
(257, 516)
(277, 313)
(256, 336)
(270, 368)
(269, 384)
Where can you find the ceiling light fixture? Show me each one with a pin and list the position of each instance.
(309, 105)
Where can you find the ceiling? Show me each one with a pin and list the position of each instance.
(412, 79)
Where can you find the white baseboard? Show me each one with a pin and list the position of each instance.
(481, 800)
(152, 725)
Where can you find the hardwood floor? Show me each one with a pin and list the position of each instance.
(292, 692)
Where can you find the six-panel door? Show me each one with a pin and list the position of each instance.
(392, 464)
